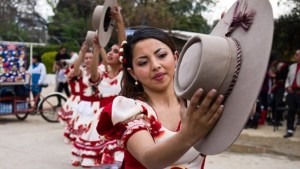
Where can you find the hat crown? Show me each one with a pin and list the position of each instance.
(207, 62)
(90, 35)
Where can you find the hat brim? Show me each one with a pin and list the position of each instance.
(106, 23)
(256, 46)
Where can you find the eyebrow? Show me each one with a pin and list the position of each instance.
(159, 49)
(155, 52)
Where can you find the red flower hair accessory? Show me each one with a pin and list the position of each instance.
(122, 59)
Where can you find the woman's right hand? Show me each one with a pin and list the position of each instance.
(198, 119)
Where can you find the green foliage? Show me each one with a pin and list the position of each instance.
(73, 20)
(183, 15)
(48, 59)
(286, 36)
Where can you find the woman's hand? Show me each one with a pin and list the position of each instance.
(199, 118)
(84, 47)
(115, 14)
(96, 44)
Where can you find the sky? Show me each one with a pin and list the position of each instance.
(224, 5)
(213, 14)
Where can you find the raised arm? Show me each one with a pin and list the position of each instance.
(95, 61)
(117, 16)
(103, 56)
(80, 59)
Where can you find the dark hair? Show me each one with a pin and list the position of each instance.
(37, 57)
(129, 89)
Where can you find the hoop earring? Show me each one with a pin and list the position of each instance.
(136, 83)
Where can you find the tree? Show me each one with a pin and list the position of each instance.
(72, 20)
(286, 33)
(167, 14)
(20, 22)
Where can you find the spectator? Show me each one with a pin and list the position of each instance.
(292, 86)
(61, 78)
(62, 54)
(74, 56)
(38, 72)
(281, 70)
(59, 64)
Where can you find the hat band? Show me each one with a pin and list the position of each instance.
(237, 68)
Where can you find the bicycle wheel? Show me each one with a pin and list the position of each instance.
(50, 105)
(21, 116)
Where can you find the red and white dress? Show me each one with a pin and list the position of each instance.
(66, 112)
(90, 148)
(124, 117)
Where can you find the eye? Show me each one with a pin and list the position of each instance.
(142, 62)
(162, 55)
(115, 51)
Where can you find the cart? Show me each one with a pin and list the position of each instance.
(15, 87)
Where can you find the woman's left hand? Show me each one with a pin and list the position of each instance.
(200, 117)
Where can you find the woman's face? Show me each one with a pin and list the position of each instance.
(113, 55)
(88, 59)
(153, 64)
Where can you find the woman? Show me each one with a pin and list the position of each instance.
(94, 150)
(149, 121)
(89, 102)
(66, 112)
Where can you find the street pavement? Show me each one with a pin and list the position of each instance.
(37, 144)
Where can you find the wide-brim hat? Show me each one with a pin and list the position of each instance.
(89, 38)
(102, 21)
(232, 59)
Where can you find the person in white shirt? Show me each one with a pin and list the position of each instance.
(74, 56)
(38, 75)
(292, 86)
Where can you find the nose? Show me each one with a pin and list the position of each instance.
(155, 64)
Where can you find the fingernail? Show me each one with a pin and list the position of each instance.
(214, 91)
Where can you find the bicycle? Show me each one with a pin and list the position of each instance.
(21, 104)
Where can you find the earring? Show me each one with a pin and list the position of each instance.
(136, 83)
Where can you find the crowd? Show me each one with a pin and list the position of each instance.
(279, 97)
(122, 111)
